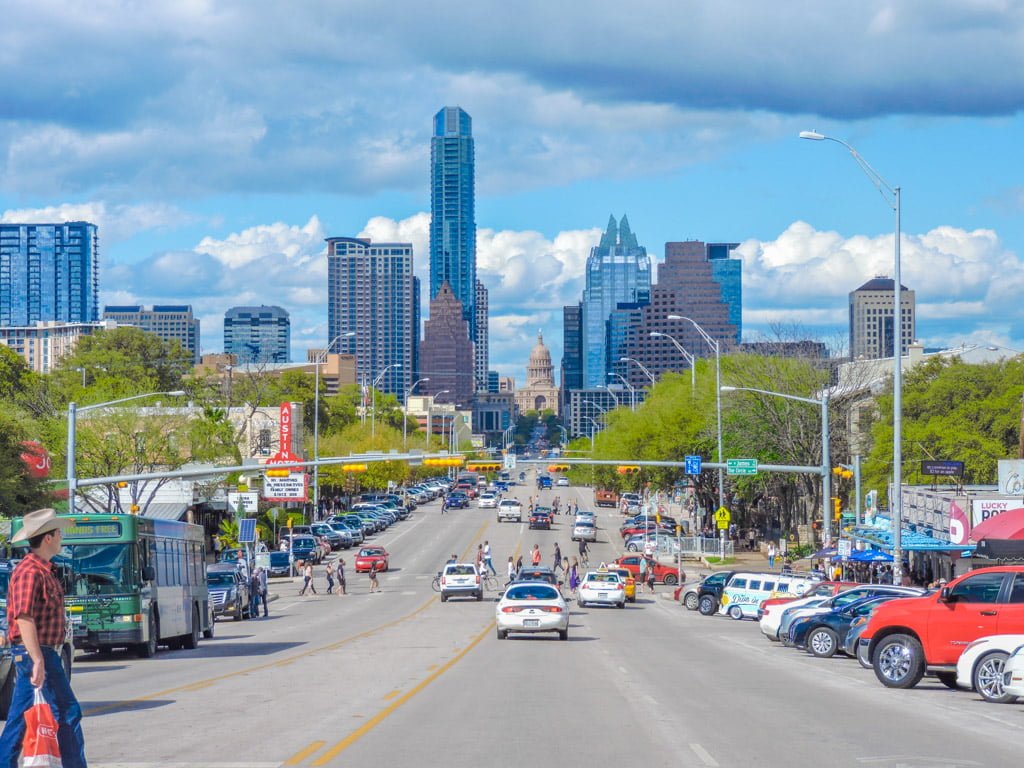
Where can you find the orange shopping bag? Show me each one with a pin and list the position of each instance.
(40, 748)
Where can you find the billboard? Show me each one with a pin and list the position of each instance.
(985, 509)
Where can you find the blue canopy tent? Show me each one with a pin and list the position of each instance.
(870, 556)
(910, 540)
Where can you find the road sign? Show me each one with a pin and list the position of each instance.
(249, 501)
(291, 488)
(693, 465)
(845, 548)
(741, 466)
(723, 517)
(510, 461)
(247, 530)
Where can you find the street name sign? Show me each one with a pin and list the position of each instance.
(741, 466)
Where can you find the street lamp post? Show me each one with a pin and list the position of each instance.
(826, 460)
(891, 195)
(405, 411)
(430, 411)
(373, 397)
(73, 411)
(632, 391)
(320, 358)
(593, 430)
(691, 359)
(713, 343)
(641, 366)
(610, 391)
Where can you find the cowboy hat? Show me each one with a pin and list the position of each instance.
(40, 521)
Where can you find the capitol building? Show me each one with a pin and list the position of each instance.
(540, 392)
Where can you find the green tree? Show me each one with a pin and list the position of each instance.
(20, 491)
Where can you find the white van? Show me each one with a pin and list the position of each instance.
(745, 591)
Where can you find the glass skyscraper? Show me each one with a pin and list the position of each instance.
(728, 273)
(49, 272)
(258, 334)
(452, 216)
(618, 272)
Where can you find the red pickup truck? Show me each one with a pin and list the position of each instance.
(906, 638)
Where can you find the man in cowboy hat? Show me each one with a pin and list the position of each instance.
(35, 620)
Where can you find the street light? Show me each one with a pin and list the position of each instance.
(826, 461)
(405, 411)
(682, 351)
(320, 358)
(593, 430)
(430, 410)
(641, 366)
(73, 412)
(610, 391)
(891, 195)
(713, 343)
(632, 391)
(373, 397)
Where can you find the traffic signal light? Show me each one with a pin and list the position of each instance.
(837, 507)
(558, 467)
(353, 467)
(445, 461)
(628, 470)
(842, 472)
(483, 466)
(278, 472)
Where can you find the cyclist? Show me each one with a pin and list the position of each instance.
(584, 550)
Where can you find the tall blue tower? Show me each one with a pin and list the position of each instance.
(453, 219)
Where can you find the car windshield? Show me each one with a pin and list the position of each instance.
(97, 569)
(460, 570)
(279, 558)
(370, 552)
(220, 579)
(531, 592)
(607, 578)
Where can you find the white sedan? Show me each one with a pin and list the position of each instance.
(487, 501)
(584, 530)
(532, 606)
(980, 667)
(1013, 673)
(601, 587)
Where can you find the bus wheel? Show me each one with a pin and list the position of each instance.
(208, 632)
(191, 640)
(147, 650)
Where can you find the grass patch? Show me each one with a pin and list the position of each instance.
(720, 561)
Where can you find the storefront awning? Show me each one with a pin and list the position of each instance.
(1005, 527)
(166, 511)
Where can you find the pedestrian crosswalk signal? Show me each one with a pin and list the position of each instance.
(628, 470)
(558, 467)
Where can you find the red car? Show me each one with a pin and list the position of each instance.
(632, 530)
(368, 556)
(664, 573)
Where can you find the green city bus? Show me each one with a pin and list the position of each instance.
(133, 582)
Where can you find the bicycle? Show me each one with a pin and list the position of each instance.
(436, 583)
(489, 581)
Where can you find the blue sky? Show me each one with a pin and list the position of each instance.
(217, 143)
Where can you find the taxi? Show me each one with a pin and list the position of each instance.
(628, 582)
(601, 587)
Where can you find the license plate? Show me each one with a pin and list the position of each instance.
(602, 594)
(531, 622)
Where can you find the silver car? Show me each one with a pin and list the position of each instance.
(584, 530)
(532, 606)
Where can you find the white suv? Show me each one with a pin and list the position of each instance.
(461, 579)
(510, 509)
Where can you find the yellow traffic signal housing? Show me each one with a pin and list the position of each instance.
(628, 470)
(122, 484)
(841, 472)
(837, 507)
(278, 472)
(483, 466)
(558, 467)
(353, 467)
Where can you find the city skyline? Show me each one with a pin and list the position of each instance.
(214, 178)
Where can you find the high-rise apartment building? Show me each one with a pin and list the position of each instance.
(686, 286)
(258, 334)
(371, 293)
(446, 354)
(49, 272)
(171, 322)
(872, 331)
(618, 271)
(481, 351)
(452, 216)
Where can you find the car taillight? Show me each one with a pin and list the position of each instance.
(552, 608)
(511, 609)
(478, 578)
(444, 580)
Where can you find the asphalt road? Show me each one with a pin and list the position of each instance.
(400, 679)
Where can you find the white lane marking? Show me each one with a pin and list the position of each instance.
(704, 755)
(423, 576)
(410, 593)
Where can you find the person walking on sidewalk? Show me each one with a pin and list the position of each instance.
(329, 572)
(264, 589)
(35, 621)
(771, 554)
(307, 579)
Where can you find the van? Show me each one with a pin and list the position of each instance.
(745, 590)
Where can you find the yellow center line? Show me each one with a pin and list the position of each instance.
(119, 705)
(392, 694)
(377, 719)
(298, 757)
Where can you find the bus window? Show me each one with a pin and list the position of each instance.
(98, 569)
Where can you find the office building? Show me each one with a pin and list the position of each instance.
(871, 319)
(572, 352)
(44, 344)
(446, 353)
(618, 271)
(257, 334)
(480, 343)
(49, 272)
(687, 287)
(371, 293)
(171, 322)
(452, 216)
(493, 378)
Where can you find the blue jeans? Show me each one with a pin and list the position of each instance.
(58, 694)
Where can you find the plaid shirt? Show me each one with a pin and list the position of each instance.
(36, 592)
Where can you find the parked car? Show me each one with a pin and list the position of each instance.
(461, 579)
(280, 564)
(745, 591)
(770, 611)
(369, 555)
(510, 509)
(532, 606)
(1013, 673)
(907, 638)
(821, 635)
(354, 531)
(304, 548)
(336, 539)
(844, 598)
(665, 574)
(229, 591)
(982, 666)
(704, 595)
(601, 587)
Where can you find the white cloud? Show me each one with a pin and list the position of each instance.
(116, 222)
